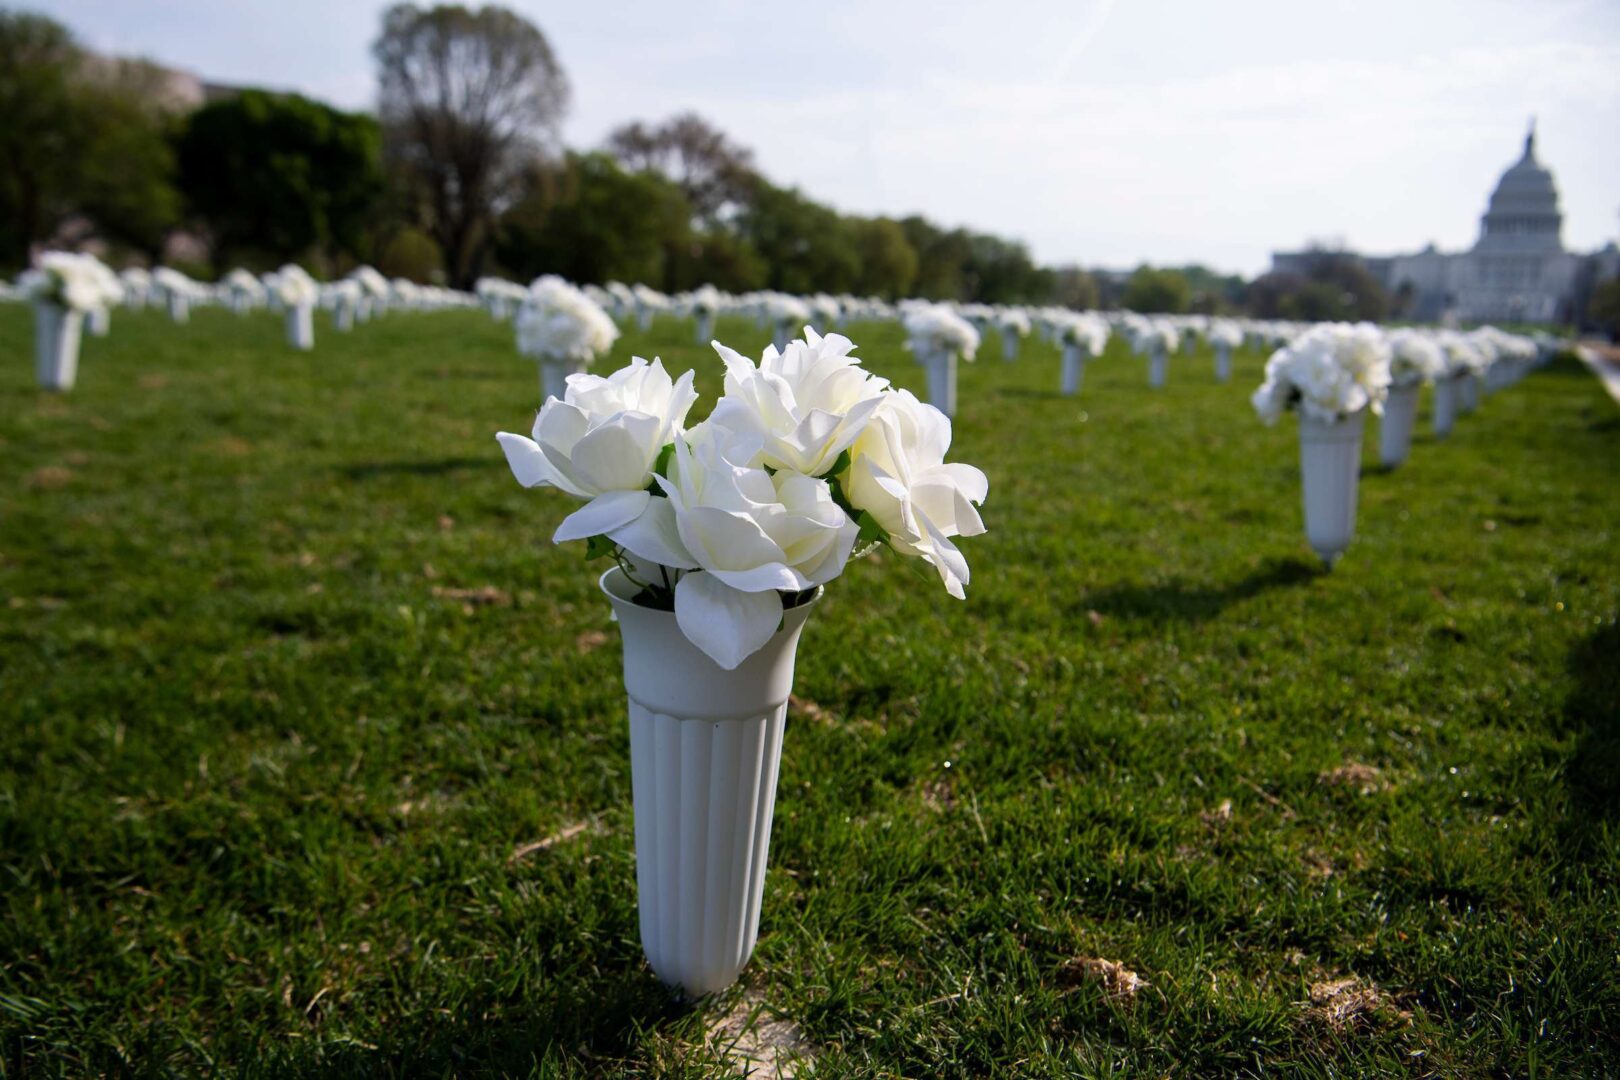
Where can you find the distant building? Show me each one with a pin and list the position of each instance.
(1518, 270)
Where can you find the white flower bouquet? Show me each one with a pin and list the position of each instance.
(67, 280)
(1415, 358)
(1330, 372)
(806, 460)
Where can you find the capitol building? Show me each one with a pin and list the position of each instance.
(1517, 272)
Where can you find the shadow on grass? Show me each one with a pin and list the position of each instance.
(1593, 710)
(1180, 600)
(436, 467)
(586, 1028)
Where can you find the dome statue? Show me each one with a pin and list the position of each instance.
(1523, 216)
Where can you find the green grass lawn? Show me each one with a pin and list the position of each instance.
(289, 670)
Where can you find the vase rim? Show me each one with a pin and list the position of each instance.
(615, 585)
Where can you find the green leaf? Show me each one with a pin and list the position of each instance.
(597, 547)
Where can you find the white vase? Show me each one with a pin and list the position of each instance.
(301, 326)
(1009, 346)
(99, 320)
(940, 368)
(56, 345)
(1468, 399)
(705, 745)
(554, 377)
(1189, 345)
(704, 331)
(1330, 469)
(1223, 363)
(781, 337)
(1395, 430)
(1074, 368)
(1445, 404)
(1158, 367)
(179, 307)
(343, 316)
(363, 310)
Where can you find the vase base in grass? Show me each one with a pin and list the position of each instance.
(57, 333)
(1158, 369)
(1330, 471)
(1395, 428)
(554, 378)
(705, 748)
(941, 373)
(1074, 370)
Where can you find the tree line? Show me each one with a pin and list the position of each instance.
(461, 173)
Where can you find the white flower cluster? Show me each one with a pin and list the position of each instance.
(1462, 353)
(1086, 330)
(559, 322)
(805, 458)
(293, 287)
(935, 330)
(1414, 358)
(76, 282)
(1224, 333)
(1331, 371)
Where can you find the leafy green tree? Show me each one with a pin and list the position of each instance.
(1072, 287)
(77, 141)
(941, 256)
(413, 254)
(38, 117)
(127, 180)
(277, 175)
(715, 257)
(591, 221)
(1157, 291)
(807, 247)
(888, 263)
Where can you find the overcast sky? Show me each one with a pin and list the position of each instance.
(1103, 132)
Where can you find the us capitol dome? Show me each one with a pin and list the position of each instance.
(1517, 271)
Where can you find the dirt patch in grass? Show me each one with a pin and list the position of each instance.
(1119, 982)
(759, 1045)
(1360, 777)
(1346, 1003)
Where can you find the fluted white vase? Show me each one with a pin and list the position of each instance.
(301, 326)
(1009, 346)
(1330, 470)
(1446, 390)
(1395, 429)
(1158, 366)
(940, 369)
(1074, 368)
(781, 336)
(554, 377)
(57, 331)
(705, 746)
(1223, 363)
(179, 307)
(644, 318)
(343, 316)
(1468, 399)
(703, 333)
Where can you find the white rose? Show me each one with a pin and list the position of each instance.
(753, 534)
(900, 477)
(601, 442)
(804, 405)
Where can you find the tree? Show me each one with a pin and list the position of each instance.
(714, 173)
(591, 221)
(1604, 307)
(1153, 291)
(1334, 285)
(275, 176)
(1074, 288)
(37, 58)
(469, 98)
(83, 144)
(127, 173)
(888, 264)
(807, 247)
